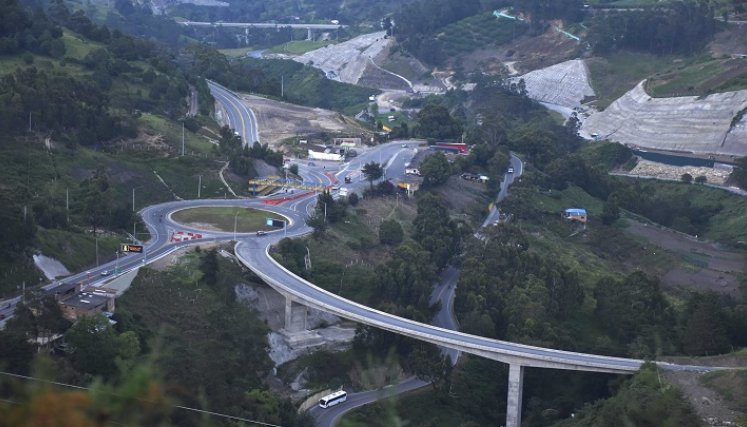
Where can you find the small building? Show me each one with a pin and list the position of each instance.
(409, 184)
(575, 214)
(452, 147)
(87, 303)
(323, 153)
(347, 142)
(64, 290)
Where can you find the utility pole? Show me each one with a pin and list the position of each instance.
(235, 217)
(97, 248)
(133, 199)
(182, 138)
(67, 205)
(282, 85)
(199, 185)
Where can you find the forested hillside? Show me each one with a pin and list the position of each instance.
(541, 280)
(74, 97)
(296, 82)
(182, 344)
(348, 12)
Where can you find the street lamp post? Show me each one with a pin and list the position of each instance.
(235, 217)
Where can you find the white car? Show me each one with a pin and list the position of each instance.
(510, 170)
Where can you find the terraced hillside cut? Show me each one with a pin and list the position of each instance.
(565, 84)
(709, 125)
(352, 62)
(478, 31)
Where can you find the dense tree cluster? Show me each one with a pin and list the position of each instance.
(435, 169)
(71, 109)
(540, 11)
(508, 291)
(676, 27)
(81, 109)
(641, 401)
(390, 232)
(20, 32)
(302, 84)
(137, 18)
(435, 121)
(739, 175)
(242, 156)
(434, 229)
(350, 12)
(418, 22)
(98, 205)
(673, 209)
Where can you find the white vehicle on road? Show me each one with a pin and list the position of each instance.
(333, 399)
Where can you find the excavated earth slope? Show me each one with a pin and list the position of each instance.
(352, 61)
(565, 84)
(687, 124)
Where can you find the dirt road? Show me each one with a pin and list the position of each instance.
(706, 266)
(278, 120)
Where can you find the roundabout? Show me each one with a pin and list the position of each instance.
(226, 219)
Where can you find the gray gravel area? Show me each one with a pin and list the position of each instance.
(565, 84)
(686, 124)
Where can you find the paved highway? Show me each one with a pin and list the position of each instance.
(255, 254)
(262, 25)
(240, 118)
(253, 251)
(443, 293)
(331, 416)
(508, 179)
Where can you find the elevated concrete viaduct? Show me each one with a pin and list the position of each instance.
(297, 290)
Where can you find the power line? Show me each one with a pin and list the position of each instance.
(186, 408)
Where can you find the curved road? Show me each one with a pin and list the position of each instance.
(253, 251)
(255, 255)
(240, 118)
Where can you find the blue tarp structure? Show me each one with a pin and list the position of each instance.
(575, 214)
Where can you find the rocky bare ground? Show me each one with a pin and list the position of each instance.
(646, 168)
(685, 124)
(278, 120)
(354, 61)
(565, 84)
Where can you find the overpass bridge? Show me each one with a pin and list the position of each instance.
(268, 25)
(299, 294)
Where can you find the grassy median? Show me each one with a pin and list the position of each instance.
(223, 218)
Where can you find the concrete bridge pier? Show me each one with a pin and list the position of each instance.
(515, 391)
(295, 316)
(309, 35)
